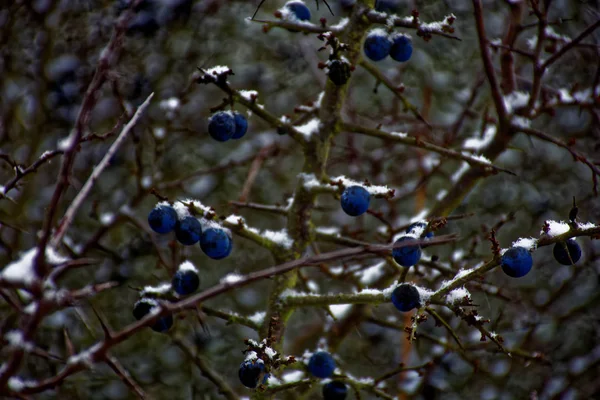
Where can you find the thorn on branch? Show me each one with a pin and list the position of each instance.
(495, 245)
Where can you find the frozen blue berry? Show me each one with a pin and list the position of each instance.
(221, 126)
(407, 256)
(355, 200)
(517, 262)
(249, 373)
(143, 306)
(299, 9)
(321, 364)
(188, 231)
(387, 6)
(567, 253)
(241, 125)
(418, 227)
(335, 390)
(215, 243)
(406, 297)
(401, 49)
(377, 45)
(185, 281)
(162, 219)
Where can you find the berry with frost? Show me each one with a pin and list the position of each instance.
(407, 256)
(250, 371)
(401, 49)
(339, 72)
(241, 125)
(185, 281)
(162, 219)
(221, 126)
(406, 297)
(298, 9)
(144, 306)
(188, 231)
(517, 262)
(335, 390)
(355, 200)
(377, 45)
(567, 253)
(215, 243)
(321, 364)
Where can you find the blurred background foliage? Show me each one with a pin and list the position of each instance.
(48, 54)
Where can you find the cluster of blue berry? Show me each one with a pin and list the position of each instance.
(517, 261)
(215, 242)
(321, 365)
(185, 282)
(225, 125)
(379, 44)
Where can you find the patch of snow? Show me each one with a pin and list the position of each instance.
(231, 278)
(248, 94)
(529, 243)
(515, 100)
(218, 70)
(401, 135)
(160, 289)
(464, 167)
(308, 129)
(187, 265)
(556, 228)
(371, 274)
(457, 295)
(22, 270)
(340, 310)
(258, 317)
(292, 376)
(340, 25)
(107, 218)
(328, 230)
(479, 143)
(587, 225)
(15, 339)
(279, 237)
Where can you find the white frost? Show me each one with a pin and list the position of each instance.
(280, 237)
(478, 143)
(457, 294)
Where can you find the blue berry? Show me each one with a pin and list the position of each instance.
(567, 253)
(321, 364)
(335, 390)
(406, 297)
(188, 231)
(299, 9)
(387, 6)
(221, 126)
(250, 372)
(517, 262)
(377, 45)
(406, 256)
(185, 281)
(417, 226)
(355, 200)
(143, 306)
(162, 219)
(215, 243)
(401, 49)
(241, 125)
